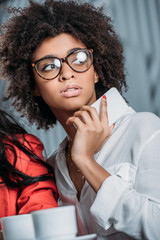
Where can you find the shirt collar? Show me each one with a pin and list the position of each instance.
(116, 105)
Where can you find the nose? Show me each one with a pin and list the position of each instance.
(66, 72)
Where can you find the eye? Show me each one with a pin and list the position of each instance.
(81, 57)
(49, 65)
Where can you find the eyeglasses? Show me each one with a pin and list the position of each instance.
(50, 67)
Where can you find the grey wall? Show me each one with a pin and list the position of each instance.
(138, 24)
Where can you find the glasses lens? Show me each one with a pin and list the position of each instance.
(49, 68)
(80, 60)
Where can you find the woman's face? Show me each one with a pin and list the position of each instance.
(70, 90)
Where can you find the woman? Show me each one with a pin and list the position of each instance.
(68, 55)
(26, 181)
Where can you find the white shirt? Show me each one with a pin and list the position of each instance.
(129, 200)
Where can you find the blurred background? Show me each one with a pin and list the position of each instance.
(137, 23)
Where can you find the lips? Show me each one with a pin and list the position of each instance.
(71, 90)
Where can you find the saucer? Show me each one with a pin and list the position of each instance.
(85, 237)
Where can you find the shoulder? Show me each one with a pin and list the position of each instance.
(26, 140)
(145, 120)
(30, 141)
(147, 117)
(140, 127)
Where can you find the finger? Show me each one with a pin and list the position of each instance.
(84, 116)
(75, 121)
(92, 112)
(111, 128)
(103, 111)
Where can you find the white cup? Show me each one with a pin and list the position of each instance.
(18, 227)
(55, 223)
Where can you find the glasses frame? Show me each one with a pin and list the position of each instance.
(65, 59)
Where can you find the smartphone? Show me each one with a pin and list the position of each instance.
(116, 105)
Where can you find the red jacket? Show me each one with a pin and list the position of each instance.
(36, 196)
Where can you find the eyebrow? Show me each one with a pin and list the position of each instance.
(50, 56)
(72, 50)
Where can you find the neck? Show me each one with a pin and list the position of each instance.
(70, 130)
(62, 118)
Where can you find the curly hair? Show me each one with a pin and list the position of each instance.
(23, 34)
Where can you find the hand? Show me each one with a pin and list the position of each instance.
(92, 131)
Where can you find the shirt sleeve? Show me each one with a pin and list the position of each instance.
(40, 195)
(133, 208)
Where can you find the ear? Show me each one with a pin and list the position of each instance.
(37, 92)
(96, 77)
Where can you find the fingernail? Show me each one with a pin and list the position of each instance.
(104, 97)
